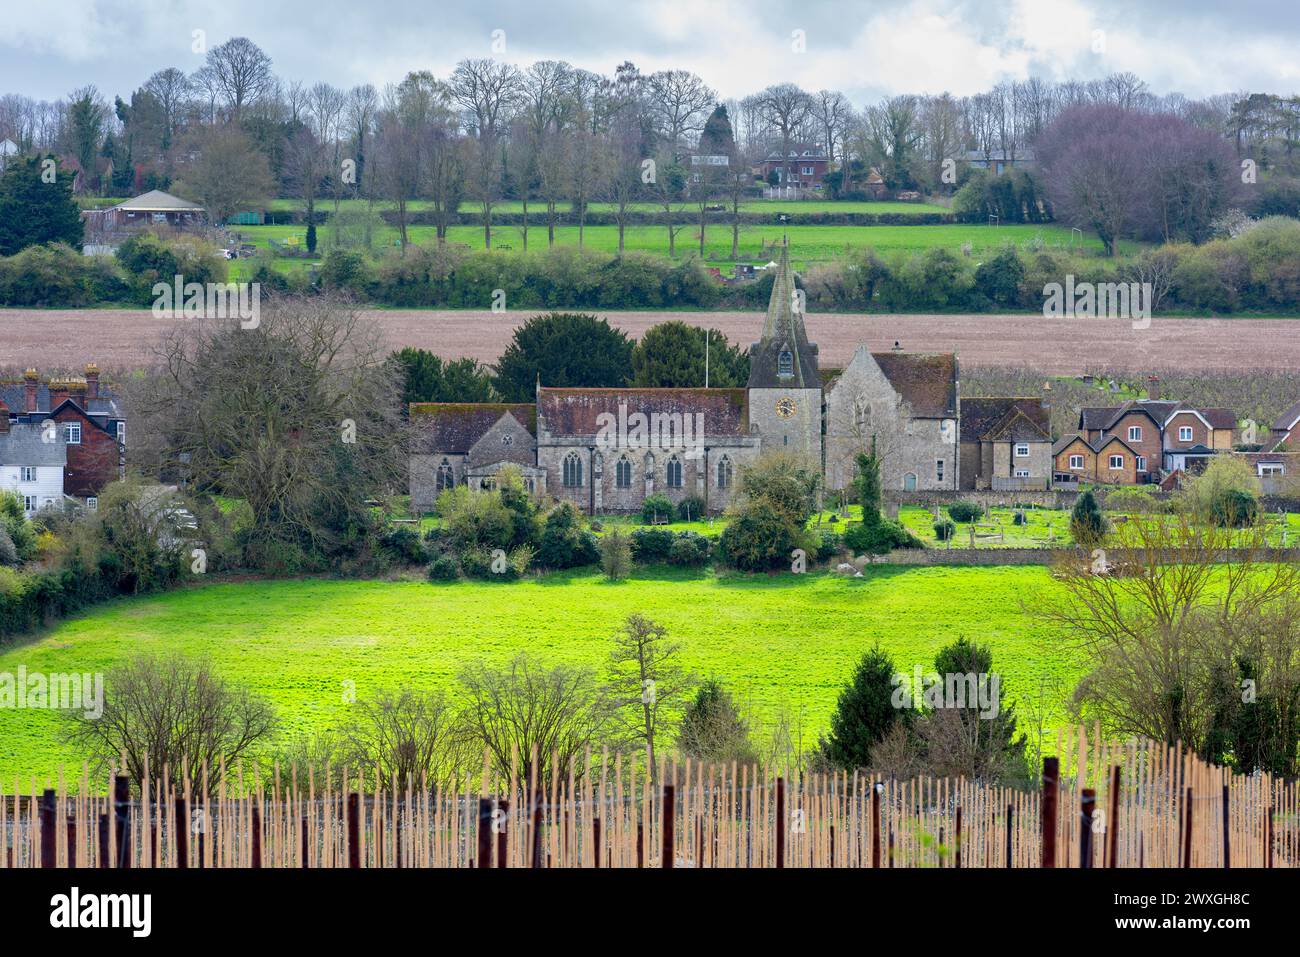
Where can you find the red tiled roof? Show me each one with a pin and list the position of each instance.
(453, 427)
(576, 411)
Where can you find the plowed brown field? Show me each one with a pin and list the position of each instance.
(123, 338)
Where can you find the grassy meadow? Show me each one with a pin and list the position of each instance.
(781, 643)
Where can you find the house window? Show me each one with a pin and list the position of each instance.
(572, 470)
(72, 433)
(806, 170)
(92, 502)
(1076, 462)
(1184, 433)
(673, 471)
(1116, 462)
(623, 472)
(724, 472)
(28, 474)
(938, 470)
(121, 433)
(29, 503)
(445, 479)
(1135, 433)
(1271, 468)
(1022, 473)
(785, 363)
(1022, 450)
(1142, 463)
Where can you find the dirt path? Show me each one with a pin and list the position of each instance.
(118, 338)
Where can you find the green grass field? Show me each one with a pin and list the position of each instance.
(810, 244)
(781, 642)
(539, 209)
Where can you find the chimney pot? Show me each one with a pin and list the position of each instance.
(1153, 387)
(30, 381)
(92, 381)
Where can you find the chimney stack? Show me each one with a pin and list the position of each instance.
(60, 389)
(92, 381)
(1153, 387)
(30, 379)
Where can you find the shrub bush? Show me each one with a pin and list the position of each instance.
(690, 509)
(760, 538)
(402, 544)
(1087, 524)
(828, 545)
(651, 545)
(1234, 508)
(444, 568)
(565, 541)
(656, 510)
(689, 549)
(877, 539)
(962, 511)
(944, 529)
(616, 555)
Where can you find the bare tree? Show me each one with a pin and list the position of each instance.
(240, 72)
(411, 738)
(487, 91)
(170, 715)
(680, 102)
(785, 107)
(647, 684)
(542, 720)
(833, 111)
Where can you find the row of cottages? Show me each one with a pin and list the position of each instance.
(606, 450)
(60, 438)
(1142, 441)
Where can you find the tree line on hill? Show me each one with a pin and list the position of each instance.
(232, 134)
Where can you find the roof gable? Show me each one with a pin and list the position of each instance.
(452, 428)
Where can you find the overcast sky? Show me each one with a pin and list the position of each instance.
(1197, 47)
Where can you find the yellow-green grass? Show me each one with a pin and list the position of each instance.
(809, 244)
(538, 210)
(781, 642)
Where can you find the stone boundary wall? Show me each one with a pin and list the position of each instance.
(1023, 556)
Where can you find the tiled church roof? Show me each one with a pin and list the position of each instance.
(576, 411)
(452, 427)
(928, 383)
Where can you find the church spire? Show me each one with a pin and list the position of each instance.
(784, 358)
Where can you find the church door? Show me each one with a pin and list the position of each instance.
(909, 482)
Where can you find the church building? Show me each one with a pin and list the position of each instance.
(606, 450)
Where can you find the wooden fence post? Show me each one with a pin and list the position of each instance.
(354, 830)
(122, 810)
(49, 835)
(503, 837)
(1011, 826)
(72, 841)
(255, 846)
(305, 860)
(595, 840)
(957, 839)
(640, 845)
(537, 828)
(1271, 811)
(1112, 819)
(1227, 841)
(875, 825)
(182, 826)
(780, 822)
(484, 857)
(669, 808)
(1087, 804)
(1187, 833)
(103, 841)
(1051, 773)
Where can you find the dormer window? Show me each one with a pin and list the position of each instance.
(785, 363)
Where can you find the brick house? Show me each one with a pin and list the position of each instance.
(1286, 433)
(89, 421)
(804, 165)
(1164, 436)
(1107, 461)
(1006, 443)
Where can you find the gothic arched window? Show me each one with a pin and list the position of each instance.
(724, 472)
(623, 472)
(673, 472)
(572, 470)
(444, 479)
(785, 363)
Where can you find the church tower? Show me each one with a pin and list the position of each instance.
(785, 388)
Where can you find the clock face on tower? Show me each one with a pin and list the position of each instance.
(786, 407)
